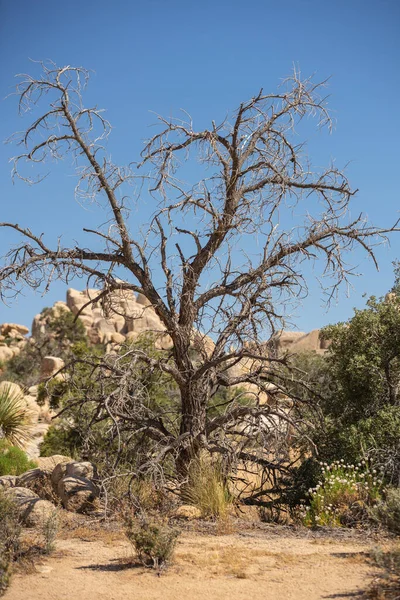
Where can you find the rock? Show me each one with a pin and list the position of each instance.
(48, 463)
(32, 510)
(59, 308)
(75, 300)
(87, 320)
(142, 300)
(132, 336)
(105, 330)
(78, 494)
(248, 513)
(188, 512)
(5, 353)
(93, 335)
(36, 512)
(80, 469)
(14, 388)
(38, 326)
(6, 328)
(71, 469)
(20, 494)
(38, 481)
(163, 342)
(51, 365)
(8, 481)
(117, 338)
(58, 473)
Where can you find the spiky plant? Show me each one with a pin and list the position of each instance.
(15, 425)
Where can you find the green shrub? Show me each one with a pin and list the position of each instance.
(61, 438)
(13, 461)
(387, 512)
(10, 530)
(343, 496)
(153, 540)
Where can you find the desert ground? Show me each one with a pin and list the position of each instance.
(269, 562)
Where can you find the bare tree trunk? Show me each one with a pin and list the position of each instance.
(194, 400)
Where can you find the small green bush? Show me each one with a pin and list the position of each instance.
(13, 460)
(387, 512)
(343, 496)
(153, 540)
(10, 530)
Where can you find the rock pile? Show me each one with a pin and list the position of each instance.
(58, 480)
(124, 316)
(12, 340)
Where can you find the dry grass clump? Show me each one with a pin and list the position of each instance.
(207, 488)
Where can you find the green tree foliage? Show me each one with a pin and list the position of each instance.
(364, 360)
(61, 332)
(355, 388)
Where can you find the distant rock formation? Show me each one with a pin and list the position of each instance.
(12, 340)
(295, 342)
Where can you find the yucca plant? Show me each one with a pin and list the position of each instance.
(15, 426)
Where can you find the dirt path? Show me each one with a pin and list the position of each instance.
(233, 567)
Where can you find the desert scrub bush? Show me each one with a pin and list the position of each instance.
(207, 488)
(10, 530)
(13, 460)
(386, 586)
(387, 511)
(49, 532)
(343, 496)
(153, 539)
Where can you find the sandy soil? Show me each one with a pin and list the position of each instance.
(234, 567)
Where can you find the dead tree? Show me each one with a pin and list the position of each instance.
(231, 249)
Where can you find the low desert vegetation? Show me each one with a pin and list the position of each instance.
(14, 417)
(207, 488)
(153, 539)
(13, 460)
(344, 495)
(386, 585)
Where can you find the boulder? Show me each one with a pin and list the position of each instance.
(49, 366)
(188, 512)
(117, 338)
(6, 328)
(14, 388)
(80, 469)
(105, 330)
(38, 481)
(5, 353)
(38, 326)
(71, 469)
(58, 473)
(20, 494)
(8, 481)
(142, 300)
(48, 463)
(78, 494)
(35, 512)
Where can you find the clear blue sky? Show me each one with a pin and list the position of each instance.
(206, 57)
